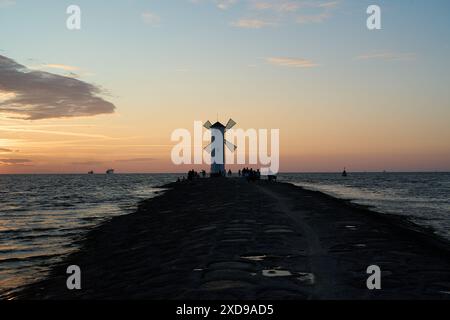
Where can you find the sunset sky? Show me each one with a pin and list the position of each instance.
(110, 94)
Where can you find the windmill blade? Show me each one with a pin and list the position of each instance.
(208, 148)
(230, 124)
(208, 125)
(230, 146)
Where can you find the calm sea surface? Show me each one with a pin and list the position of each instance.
(42, 215)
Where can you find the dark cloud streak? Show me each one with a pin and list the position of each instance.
(43, 95)
(14, 161)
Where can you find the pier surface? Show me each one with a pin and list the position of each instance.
(231, 239)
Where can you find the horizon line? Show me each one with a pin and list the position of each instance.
(174, 173)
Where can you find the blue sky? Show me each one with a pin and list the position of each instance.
(200, 36)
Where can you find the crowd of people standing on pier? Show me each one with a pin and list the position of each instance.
(247, 173)
(250, 174)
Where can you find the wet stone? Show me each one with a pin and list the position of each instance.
(224, 285)
(276, 273)
(231, 265)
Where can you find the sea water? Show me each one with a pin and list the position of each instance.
(42, 216)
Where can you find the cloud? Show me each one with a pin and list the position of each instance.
(316, 18)
(150, 18)
(279, 12)
(251, 23)
(225, 4)
(36, 95)
(136, 160)
(276, 5)
(61, 133)
(319, 12)
(392, 56)
(2, 150)
(11, 162)
(6, 3)
(291, 62)
(68, 71)
(61, 67)
(221, 4)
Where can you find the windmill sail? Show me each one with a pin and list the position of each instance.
(230, 146)
(207, 125)
(208, 148)
(231, 123)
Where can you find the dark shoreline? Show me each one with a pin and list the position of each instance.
(216, 268)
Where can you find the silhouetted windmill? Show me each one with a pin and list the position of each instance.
(217, 146)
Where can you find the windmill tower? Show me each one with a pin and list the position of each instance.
(217, 146)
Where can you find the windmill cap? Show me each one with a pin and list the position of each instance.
(217, 125)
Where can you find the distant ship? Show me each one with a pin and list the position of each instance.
(110, 171)
(91, 172)
(344, 173)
